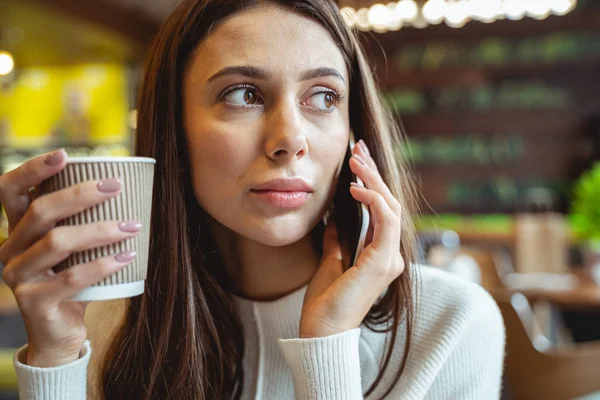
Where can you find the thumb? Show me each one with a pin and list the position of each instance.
(331, 242)
(330, 267)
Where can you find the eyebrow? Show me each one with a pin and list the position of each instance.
(321, 72)
(260, 73)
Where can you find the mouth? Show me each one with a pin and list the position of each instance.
(281, 199)
(283, 193)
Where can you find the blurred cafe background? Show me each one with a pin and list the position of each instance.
(499, 101)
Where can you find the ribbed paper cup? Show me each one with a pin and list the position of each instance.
(133, 203)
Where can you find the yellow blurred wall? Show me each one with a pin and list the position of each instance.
(36, 103)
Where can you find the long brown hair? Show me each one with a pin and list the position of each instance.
(182, 339)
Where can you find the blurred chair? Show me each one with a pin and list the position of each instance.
(442, 250)
(536, 372)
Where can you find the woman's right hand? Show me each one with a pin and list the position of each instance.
(55, 327)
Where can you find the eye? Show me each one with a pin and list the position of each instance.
(242, 97)
(324, 101)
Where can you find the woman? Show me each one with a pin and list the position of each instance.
(246, 296)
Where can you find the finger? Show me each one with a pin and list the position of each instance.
(373, 180)
(68, 283)
(386, 225)
(61, 242)
(380, 262)
(15, 184)
(330, 267)
(362, 150)
(46, 211)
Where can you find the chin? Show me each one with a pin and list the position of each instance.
(277, 232)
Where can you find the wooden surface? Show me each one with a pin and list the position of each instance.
(496, 265)
(585, 294)
(475, 237)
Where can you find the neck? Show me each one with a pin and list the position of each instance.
(260, 272)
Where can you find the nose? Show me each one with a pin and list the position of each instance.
(286, 138)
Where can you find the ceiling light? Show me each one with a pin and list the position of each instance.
(457, 14)
(379, 17)
(393, 16)
(419, 22)
(7, 63)
(434, 10)
(536, 8)
(395, 22)
(513, 9)
(407, 10)
(484, 10)
(562, 7)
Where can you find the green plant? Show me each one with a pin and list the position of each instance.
(585, 210)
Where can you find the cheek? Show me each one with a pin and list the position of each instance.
(332, 152)
(329, 159)
(218, 161)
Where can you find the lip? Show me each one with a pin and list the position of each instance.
(282, 199)
(285, 185)
(283, 193)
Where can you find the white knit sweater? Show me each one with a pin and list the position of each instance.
(457, 352)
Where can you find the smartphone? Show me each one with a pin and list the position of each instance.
(351, 216)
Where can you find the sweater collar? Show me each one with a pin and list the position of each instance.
(279, 318)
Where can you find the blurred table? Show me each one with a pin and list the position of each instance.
(575, 290)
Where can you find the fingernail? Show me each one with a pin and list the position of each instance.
(359, 159)
(364, 147)
(109, 185)
(125, 256)
(356, 185)
(130, 226)
(55, 158)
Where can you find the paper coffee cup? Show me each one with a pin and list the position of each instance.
(134, 202)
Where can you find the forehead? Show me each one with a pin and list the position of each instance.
(272, 37)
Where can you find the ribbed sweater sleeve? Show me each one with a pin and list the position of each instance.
(326, 367)
(65, 382)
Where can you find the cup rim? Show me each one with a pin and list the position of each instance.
(98, 159)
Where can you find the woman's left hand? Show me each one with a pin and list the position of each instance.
(337, 301)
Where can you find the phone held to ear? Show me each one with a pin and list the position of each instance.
(351, 216)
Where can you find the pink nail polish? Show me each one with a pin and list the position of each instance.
(364, 147)
(109, 185)
(359, 159)
(130, 226)
(125, 256)
(55, 158)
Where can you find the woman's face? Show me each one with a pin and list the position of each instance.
(265, 99)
